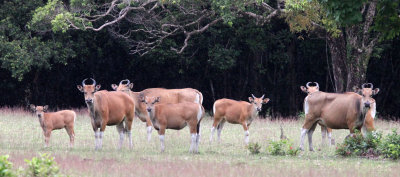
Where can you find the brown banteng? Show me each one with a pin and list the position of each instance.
(166, 95)
(310, 89)
(106, 109)
(236, 112)
(175, 116)
(333, 110)
(55, 120)
(367, 92)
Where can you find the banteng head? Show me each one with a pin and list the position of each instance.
(89, 90)
(149, 102)
(39, 110)
(124, 86)
(367, 92)
(257, 102)
(310, 87)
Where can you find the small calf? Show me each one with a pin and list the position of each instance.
(55, 120)
(175, 116)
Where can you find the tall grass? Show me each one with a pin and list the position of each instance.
(22, 138)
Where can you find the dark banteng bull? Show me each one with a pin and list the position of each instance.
(166, 95)
(106, 109)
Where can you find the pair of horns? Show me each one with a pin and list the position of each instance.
(127, 82)
(367, 84)
(84, 80)
(262, 97)
(308, 84)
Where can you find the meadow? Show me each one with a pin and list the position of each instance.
(21, 137)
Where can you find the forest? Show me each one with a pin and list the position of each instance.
(223, 48)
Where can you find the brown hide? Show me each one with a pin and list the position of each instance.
(110, 108)
(176, 116)
(337, 111)
(233, 111)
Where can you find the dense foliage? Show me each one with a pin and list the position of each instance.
(6, 167)
(42, 59)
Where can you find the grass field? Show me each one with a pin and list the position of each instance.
(21, 137)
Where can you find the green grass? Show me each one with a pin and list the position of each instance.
(21, 137)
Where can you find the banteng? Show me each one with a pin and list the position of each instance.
(236, 112)
(333, 110)
(55, 120)
(310, 89)
(106, 109)
(166, 95)
(175, 116)
(367, 92)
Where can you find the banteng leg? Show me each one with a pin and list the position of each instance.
(309, 122)
(161, 132)
(149, 128)
(220, 126)
(324, 131)
(310, 133)
(128, 130)
(198, 136)
(71, 133)
(246, 133)
(331, 141)
(97, 137)
(193, 134)
(120, 130)
(216, 123)
(47, 135)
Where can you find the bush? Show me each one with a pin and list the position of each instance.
(42, 166)
(254, 148)
(5, 167)
(390, 147)
(282, 147)
(360, 146)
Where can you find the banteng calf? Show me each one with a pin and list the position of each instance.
(175, 116)
(55, 120)
(236, 112)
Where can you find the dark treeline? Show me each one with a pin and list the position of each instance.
(231, 62)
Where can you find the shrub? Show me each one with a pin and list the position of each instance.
(390, 147)
(254, 148)
(42, 166)
(5, 167)
(282, 147)
(359, 145)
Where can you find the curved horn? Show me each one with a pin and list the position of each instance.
(371, 86)
(94, 82)
(127, 81)
(83, 82)
(253, 96)
(262, 97)
(308, 84)
(316, 84)
(363, 85)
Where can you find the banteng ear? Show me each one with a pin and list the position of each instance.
(304, 89)
(45, 108)
(80, 88)
(141, 97)
(32, 107)
(130, 86)
(357, 90)
(375, 91)
(98, 87)
(251, 99)
(114, 86)
(265, 100)
(157, 99)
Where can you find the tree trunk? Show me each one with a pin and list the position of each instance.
(337, 49)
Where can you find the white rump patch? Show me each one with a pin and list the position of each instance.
(197, 98)
(74, 117)
(199, 113)
(214, 108)
(373, 110)
(306, 107)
